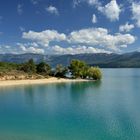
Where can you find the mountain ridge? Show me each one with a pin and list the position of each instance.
(104, 60)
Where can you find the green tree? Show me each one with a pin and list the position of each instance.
(78, 69)
(6, 67)
(60, 71)
(29, 67)
(94, 73)
(43, 68)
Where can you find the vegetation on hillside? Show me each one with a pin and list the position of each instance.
(4, 67)
(77, 69)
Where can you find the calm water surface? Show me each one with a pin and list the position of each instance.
(107, 110)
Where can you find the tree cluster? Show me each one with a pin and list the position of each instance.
(77, 69)
(80, 69)
(43, 69)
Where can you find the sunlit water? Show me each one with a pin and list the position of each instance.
(106, 110)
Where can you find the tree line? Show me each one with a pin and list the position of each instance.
(76, 68)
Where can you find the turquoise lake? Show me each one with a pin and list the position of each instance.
(106, 110)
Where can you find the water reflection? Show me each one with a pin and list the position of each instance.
(53, 94)
(79, 90)
(103, 110)
(82, 87)
(29, 94)
(78, 87)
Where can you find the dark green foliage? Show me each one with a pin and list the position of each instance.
(78, 69)
(43, 68)
(29, 67)
(94, 73)
(4, 66)
(60, 71)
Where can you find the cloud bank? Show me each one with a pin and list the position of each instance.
(89, 40)
(136, 12)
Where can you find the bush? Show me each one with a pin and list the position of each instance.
(43, 68)
(6, 67)
(78, 69)
(94, 73)
(60, 71)
(29, 67)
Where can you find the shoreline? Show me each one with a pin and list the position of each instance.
(39, 81)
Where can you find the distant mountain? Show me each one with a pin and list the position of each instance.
(128, 60)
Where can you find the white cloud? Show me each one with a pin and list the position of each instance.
(94, 19)
(20, 9)
(89, 2)
(34, 2)
(111, 10)
(52, 10)
(100, 37)
(22, 29)
(7, 49)
(126, 28)
(77, 50)
(89, 40)
(136, 12)
(29, 44)
(30, 48)
(76, 2)
(20, 48)
(93, 2)
(44, 37)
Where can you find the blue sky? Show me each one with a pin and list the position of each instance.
(69, 26)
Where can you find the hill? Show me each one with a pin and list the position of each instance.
(127, 60)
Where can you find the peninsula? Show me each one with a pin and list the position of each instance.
(30, 73)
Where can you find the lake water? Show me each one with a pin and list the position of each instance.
(106, 110)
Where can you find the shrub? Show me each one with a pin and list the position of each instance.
(43, 68)
(78, 69)
(94, 73)
(60, 71)
(29, 67)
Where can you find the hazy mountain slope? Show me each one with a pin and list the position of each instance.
(101, 59)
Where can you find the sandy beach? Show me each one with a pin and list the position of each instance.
(38, 81)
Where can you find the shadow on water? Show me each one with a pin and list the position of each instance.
(83, 86)
(78, 87)
(36, 93)
(80, 90)
(29, 94)
(76, 90)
